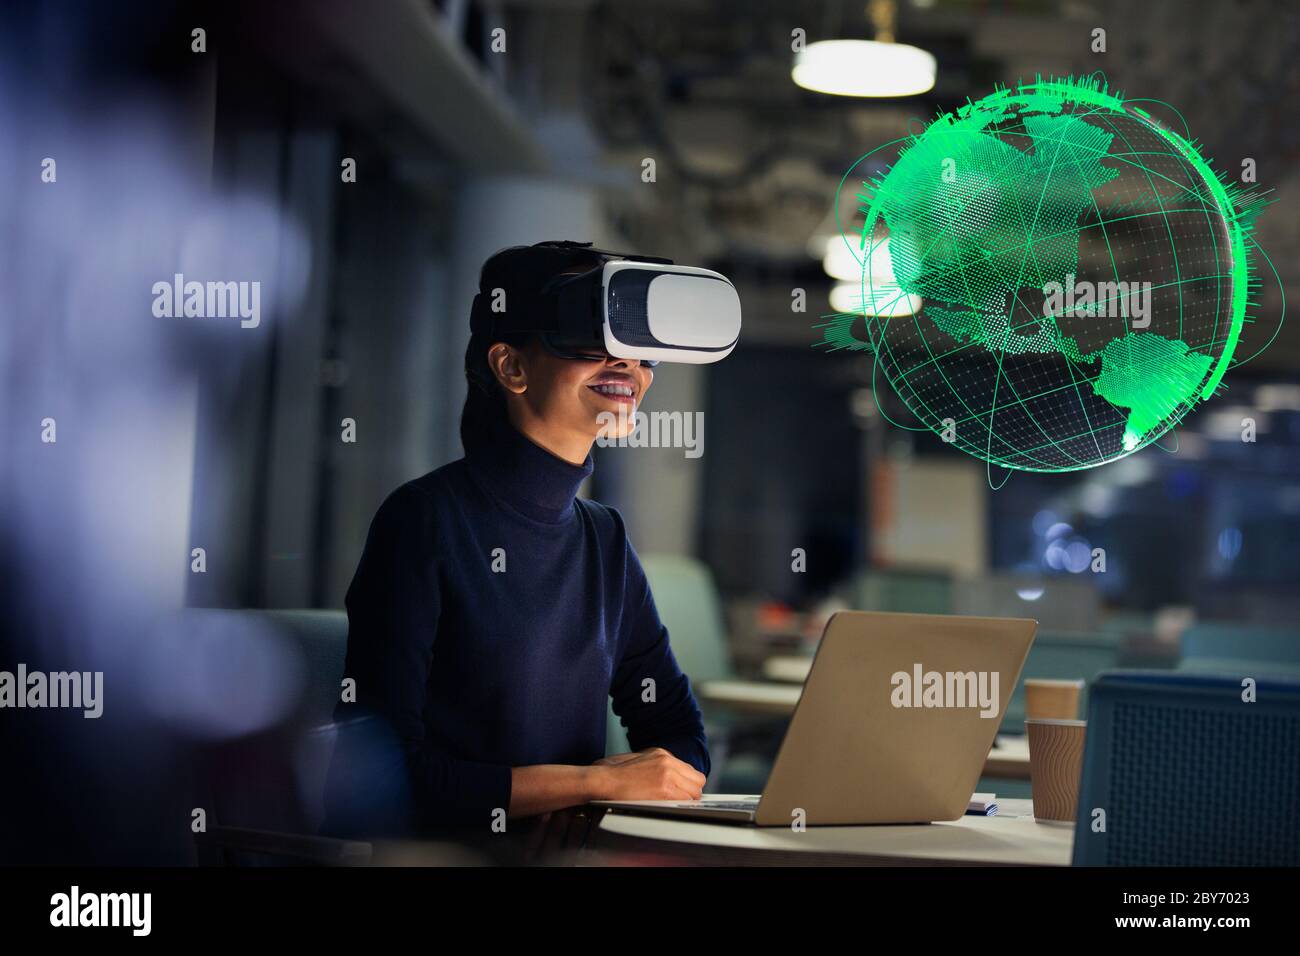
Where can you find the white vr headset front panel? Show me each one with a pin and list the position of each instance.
(692, 314)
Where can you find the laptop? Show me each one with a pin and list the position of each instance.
(894, 723)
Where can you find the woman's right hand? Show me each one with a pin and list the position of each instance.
(652, 774)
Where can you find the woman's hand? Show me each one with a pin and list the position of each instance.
(652, 774)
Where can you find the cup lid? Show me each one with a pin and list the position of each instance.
(1054, 682)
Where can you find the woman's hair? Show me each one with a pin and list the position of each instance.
(521, 271)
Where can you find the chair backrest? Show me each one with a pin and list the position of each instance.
(1056, 655)
(316, 641)
(1187, 773)
(688, 605)
(906, 592)
(1059, 602)
(278, 783)
(322, 641)
(687, 600)
(1247, 649)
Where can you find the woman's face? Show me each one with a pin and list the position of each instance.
(593, 397)
(575, 400)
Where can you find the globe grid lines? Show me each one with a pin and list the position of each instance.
(1171, 209)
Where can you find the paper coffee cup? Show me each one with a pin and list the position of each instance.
(1052, 699)
(1055, 763)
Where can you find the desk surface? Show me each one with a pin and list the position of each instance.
(1009, 758)
(751, 696)
(1012, 838)
(790, 668)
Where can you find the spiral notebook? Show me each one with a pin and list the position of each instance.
(981, 805)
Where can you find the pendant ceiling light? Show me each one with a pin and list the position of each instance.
(879, 67)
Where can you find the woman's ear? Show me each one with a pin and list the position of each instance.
(506, 363)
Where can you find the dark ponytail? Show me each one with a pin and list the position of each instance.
(485, 400)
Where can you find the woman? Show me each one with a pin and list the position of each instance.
(493, 612)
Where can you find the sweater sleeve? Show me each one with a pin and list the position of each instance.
(393, 608)
(669, 717)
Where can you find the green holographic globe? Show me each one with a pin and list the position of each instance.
(1051, 279)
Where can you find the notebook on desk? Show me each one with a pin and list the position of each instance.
(894, 723)
(982, 805)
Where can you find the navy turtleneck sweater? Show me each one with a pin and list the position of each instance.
(492, 616)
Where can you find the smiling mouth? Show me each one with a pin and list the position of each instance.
(613, 391)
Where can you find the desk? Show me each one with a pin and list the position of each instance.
(790, 668)
(1009, 759)
(1012, 838)
(751, 697)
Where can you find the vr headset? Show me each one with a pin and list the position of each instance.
(631, 307)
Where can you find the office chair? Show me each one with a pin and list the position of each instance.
(265, 794)
(687, 600)
(1181, 771)
(1245, 649)
(1061, 656)
(688, 606)
(907, 592)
